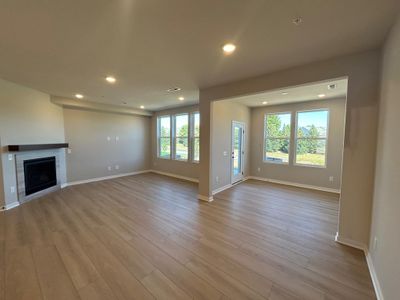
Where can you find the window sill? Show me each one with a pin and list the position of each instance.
(276, 162)
(309, 166)
(165, 158)
(181, 160)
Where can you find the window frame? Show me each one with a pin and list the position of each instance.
(175, 138)
(326, 138)
(265, 138)
(159, 136)
(193, 137)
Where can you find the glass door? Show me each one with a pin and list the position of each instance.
(237, 153)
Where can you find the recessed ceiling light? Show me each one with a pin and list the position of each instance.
(265, 102)
(284, 93)
(79, 96)
(142, 106)
(297, 21)
(111, 79)
(174, 89)
(229, 48)
(332, 86)
(321, 95)
(181, 98)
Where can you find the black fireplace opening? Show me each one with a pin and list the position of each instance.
(40, 174)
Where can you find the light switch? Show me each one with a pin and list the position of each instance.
(69, 151)
(10, 157)
(108, 138)
(225, 153)
(117, 138)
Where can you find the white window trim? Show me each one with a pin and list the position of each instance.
(265, 139)
(174, 137)
(158, 137)
(295, 163)
(192, 137)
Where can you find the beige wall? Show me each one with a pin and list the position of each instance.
(360, 136)
(223, 113)
(180, 168)
(26, 117)
(92, 153)
(318, 177)
(386, 206)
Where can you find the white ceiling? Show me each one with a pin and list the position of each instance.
(302, 93)
(66, 47)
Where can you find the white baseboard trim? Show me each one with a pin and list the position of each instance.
(103, 178)
(300, 185)
(349, 242)
(10, 206)
(371, 268)
(225, 187)
(374, 277)
(175, 176)
(205, 198)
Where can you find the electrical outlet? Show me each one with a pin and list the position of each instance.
(116, 167)
(259, 169)
(12, 189)
(225, 153)
(109, 168)
(331, 178)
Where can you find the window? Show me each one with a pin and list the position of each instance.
(277, 137)
(182, 137)
(196, 137)
(311, 138)
(178, 137)
(164, 137)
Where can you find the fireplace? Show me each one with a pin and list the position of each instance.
(40, 174)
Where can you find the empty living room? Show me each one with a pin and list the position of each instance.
(225, 149)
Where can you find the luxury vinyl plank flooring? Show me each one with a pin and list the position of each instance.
(148, 237)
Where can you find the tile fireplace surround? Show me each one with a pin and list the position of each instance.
(15, 181)
(19, 167)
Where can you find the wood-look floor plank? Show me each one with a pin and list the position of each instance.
(177, 273)
(21, 277)
(122, 283)
(54, 280)
(2, 270)
(136, 263)
(231, 287)
(97, 290)
(148, 236)
(77, 263)
(37, 232)
(278, 293)
(2, 226)
(163, 288)
(15, 231)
